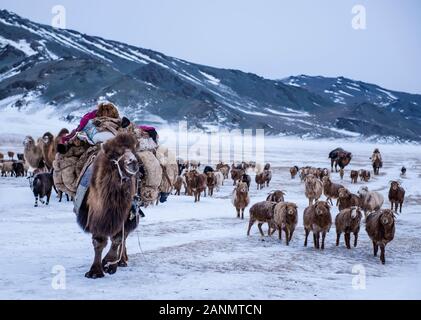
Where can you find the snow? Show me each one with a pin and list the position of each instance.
(21, 45)
(389, 94)
(201, 251)
(211, 79)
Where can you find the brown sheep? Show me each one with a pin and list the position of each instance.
(370, 200)
(240, 198)
(236, 175)
(365, 175)
(313, 188)
(354, 176)
(196, 183)
(262, 212)
(380, 227)
(348, 221)
(286, 219)
(396, 196)
(317, 218)
(293, 170)
(179, 182)
(276, 196)
(224, 168)
(1, 156)
(347, 199)
(210, 182)
(6, 168)
(263, 179)
(330, 189)
(11, 155)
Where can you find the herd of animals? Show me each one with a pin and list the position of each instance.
(280, 215)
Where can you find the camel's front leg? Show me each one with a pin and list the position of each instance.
(99, 244)
(109, 263)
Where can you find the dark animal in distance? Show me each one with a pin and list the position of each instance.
(339, 157)
(396, 196)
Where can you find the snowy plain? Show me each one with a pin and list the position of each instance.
(183, 250)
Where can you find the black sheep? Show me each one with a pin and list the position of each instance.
(18, 169)
(42, 187)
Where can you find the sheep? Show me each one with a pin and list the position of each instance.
(365, 175)
(267, 166)
(285, 218)
(396, 196)
(7, 168)
(240, 198)
(196, 184)
(354, 176)
(370, 200)
(18, 169)
(341, 173)
(313, 188)
(262, 212)
(21, 157)
(348, 221)
(236, 175)
(224, 169)
(208, 169)
(330, 189)
(1, 157)
(293, 170)
(317, 218)
(263, 179)
(347, 199)
(11, 155)
(42, 187)
(323, 173)
(179, 182)
(210, 182)
(276, 196)
(380, 227)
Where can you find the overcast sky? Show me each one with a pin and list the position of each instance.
(272, 38)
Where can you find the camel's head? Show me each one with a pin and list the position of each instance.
(322, 208)
(47, 138)
(387, 217)
(29, 142)
(121, 151)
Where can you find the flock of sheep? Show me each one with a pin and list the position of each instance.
(317, 218)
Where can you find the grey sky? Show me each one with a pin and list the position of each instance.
(272, 38)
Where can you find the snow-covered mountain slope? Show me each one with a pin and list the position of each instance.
(69, 72)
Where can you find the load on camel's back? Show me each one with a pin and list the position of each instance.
(339, 157)
(77, 150)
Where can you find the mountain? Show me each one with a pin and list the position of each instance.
(69, 72)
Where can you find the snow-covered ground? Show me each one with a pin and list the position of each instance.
(184, 250)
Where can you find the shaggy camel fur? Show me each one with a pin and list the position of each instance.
(105, 212)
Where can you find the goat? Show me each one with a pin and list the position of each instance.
(380, 227)
(42, 186)
(262, 212)
(317, 218)
(354, 176)
(347, 199)
(293, 171)
(285, 218)
(210, 182)
(348, 221)
(330, 189)
(313, 188)
(240, 198)
(276, 196)
(365, 175)
(396, 196)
